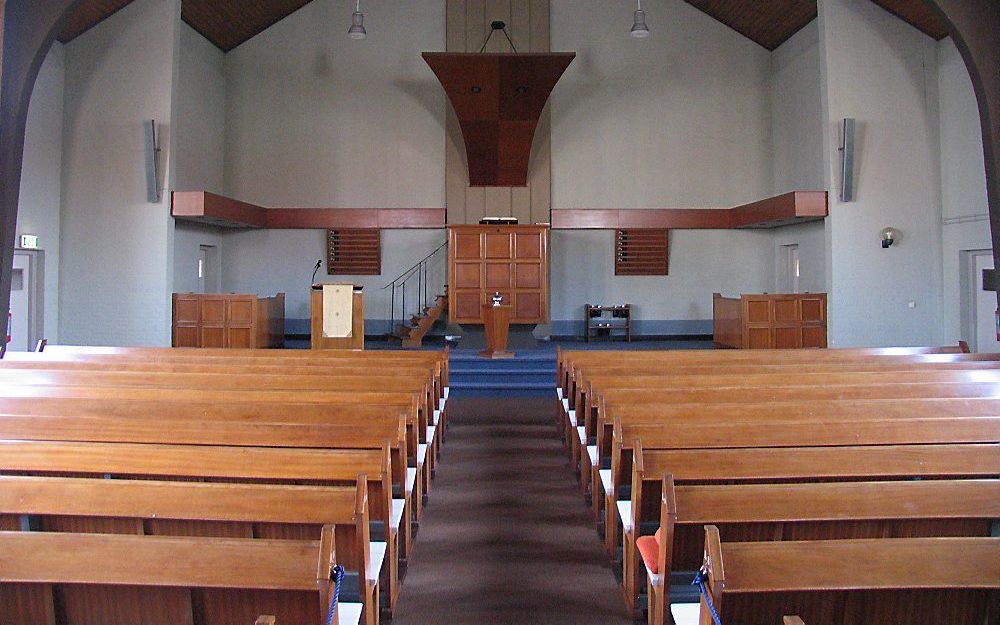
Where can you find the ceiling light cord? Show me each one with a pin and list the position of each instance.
(495, 26)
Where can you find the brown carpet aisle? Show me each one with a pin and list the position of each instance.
(506, 537)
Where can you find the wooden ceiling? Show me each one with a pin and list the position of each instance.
(771, 22)
(228, 23)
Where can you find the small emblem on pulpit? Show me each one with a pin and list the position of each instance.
(497, 299)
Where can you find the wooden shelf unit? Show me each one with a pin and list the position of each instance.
(769, 320)
(231, 320)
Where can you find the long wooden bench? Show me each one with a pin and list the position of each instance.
(566, 360)
(918, 581)
(93, 579)
(332, 467)
(779, 393)
(291, 400)
(147, 507)
(812, 511)
(787, 464)
(747, 425)
(437, 359)
(43, 427)
(665, 366)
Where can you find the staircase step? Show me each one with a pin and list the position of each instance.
(502, 385)
(456, 370)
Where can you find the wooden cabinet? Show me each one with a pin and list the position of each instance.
(770, 321)
(510, 260)
(228, 320)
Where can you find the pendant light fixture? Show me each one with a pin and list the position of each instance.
(639, 28)
(357, 29)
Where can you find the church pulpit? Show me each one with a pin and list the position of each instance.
(497, 322)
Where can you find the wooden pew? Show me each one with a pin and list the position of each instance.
(788, 464)
(748, 425)
(567, 359)
(665, 365)
(45, 427)
(812, 511)
(438, 359)
(328, 467)
(590, 386)
(781, 393)
(91, 579)
(147, 507)
(918, 581)
(291, 399)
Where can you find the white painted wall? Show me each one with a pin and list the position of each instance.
(797, 113)
(680, 119)
(963, 186)
(701, 262)
(200, 132)
(116, 248)
(882, 72)
(40, 195)
(316, 119)
(269, 261)
(797, 156)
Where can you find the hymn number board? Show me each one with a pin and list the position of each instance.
(510, 260)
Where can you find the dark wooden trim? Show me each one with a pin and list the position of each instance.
(216, 210)
(781, 210)
(204, 207)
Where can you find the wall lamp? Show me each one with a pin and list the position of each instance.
(889, 236)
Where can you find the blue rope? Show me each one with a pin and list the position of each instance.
(338, 577)
(699, 581)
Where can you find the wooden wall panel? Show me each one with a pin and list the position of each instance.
(468, 24)
(510, 260)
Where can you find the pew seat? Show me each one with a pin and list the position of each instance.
(92, 579)
(917, 581)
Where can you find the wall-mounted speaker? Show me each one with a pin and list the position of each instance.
(152, 159)
(847, 160)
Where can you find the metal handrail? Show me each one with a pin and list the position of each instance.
(420, 262)
(420, 270)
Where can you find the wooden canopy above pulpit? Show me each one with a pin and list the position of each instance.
(510, 260)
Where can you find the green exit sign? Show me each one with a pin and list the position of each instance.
(29, 242)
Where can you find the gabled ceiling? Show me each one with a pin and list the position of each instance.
(228, 23)
(771, 22)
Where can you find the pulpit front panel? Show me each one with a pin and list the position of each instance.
(510, 260)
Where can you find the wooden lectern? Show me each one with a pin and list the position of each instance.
(497, 322)
(356, 340)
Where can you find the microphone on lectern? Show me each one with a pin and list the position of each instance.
(319, 261)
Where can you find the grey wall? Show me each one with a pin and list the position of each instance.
(316, 119)
(701, 262)
(963, 186)
(797, 144)
(200, 133)
(116, 254)
(882, 72)
(41, 191)
(269, 261)
(680, 119)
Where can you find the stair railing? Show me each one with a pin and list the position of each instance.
(420, 274)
